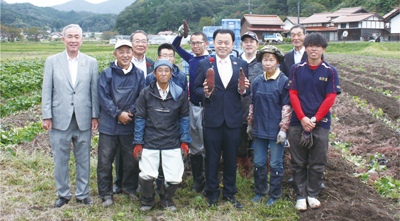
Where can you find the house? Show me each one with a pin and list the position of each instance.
(291, 21)
(358, 22)
(360, 26)
(261, 24)
(166, 33)
(392, 24)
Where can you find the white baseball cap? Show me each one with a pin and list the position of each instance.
(123, 43)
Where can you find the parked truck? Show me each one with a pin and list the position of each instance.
(275, 37)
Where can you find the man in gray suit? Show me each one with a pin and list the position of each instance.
(70, 110)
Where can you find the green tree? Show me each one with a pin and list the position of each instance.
(34, 32)
(205, 21)
(107, 35)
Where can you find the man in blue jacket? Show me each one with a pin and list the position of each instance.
(119, 87)
(198, 44)
(161, 136)
(222, 115)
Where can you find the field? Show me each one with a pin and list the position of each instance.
(362, 176)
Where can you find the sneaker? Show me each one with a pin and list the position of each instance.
(145, 208)
(301, 205)
(313, 202)
(107, 202)
(271, 201)
(171, 208)
(257, 198)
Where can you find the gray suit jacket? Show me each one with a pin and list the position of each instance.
(60, 99)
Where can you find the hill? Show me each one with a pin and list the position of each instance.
(158, 15)
(26, 15)
(110, 6)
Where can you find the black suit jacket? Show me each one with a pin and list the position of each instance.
(150, 68)
(289, 61)
(224, 104)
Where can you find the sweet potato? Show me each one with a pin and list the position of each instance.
(242, 77)
(210, 79)
(185, 29)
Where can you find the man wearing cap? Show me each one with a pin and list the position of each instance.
(198, 44)
(139, 40)
(119, 87)
(161, 136)
(249, 45)
(70, 109)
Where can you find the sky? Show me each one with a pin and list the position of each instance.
(43, 3)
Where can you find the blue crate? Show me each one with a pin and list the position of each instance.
(231, 23)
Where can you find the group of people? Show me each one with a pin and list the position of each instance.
(150, 118)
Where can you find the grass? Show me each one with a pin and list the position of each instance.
(29, 192)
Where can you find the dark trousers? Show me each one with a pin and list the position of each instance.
(108, 145)
(308, 165)
(119, 167)
(245, 143)
(227, 140)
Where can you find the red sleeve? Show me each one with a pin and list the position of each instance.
(325, 106)
(295, 101)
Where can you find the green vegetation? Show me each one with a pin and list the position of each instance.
(27, 15)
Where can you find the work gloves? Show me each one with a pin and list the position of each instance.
(281, 137)
(183, 30)
(137, 152)
(184, 150)
(249, 131)
(306, 139)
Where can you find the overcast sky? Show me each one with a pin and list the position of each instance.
(43, 3)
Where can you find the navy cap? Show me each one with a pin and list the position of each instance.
(249, 34)
(162, 62)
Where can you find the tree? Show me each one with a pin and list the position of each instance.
(34, 32)
(205, 21)
(11, 33)
(107, 35)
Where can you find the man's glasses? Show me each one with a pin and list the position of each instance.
(140, 41)
(166, 56)
(199, 43)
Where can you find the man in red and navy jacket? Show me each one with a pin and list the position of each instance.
(313, 86)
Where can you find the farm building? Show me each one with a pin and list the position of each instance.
(290, 21)
(392, 24)
(360, 26)
(261, 24)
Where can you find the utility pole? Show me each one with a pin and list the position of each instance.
(298, 11)
(249, 4)
(214, 20)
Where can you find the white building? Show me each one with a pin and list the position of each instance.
(392, 24)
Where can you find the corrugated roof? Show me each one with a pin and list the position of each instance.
(319, 18)
(354, 17)
(263, 19)
(321, 28)
(350, 10)
(294, 20)
(392, 13)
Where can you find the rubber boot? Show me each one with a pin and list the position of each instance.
(275, 183)
(147, 196)
(197, 170)
(261, 180)
(166, 196)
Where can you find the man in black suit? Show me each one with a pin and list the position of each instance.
(222, 115)
(297, 34)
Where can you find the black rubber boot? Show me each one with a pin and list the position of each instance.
(261, 180)
(166, 195)
(198, 175)
(147, 196)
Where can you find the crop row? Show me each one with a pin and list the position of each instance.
(20, 135)
(19, 103)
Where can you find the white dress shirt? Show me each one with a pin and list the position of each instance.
(163, 94)
(298, 55)
(141, 64)
(73, 67)
(225, 69)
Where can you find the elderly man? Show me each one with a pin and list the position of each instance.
(161, 136)
(70, 111)
(139, 41)
(222, 114)
(119, 87)
(297, 36)
(250, 45)
(198, 44)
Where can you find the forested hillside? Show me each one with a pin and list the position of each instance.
(26, 15)
(159, 15)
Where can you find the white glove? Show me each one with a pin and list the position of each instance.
(181, 30)
(281, 137)
(249, 131)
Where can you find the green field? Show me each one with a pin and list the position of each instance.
(27, 182)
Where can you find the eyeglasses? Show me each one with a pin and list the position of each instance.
(199, 43)
(140, 41)
(166, 56)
